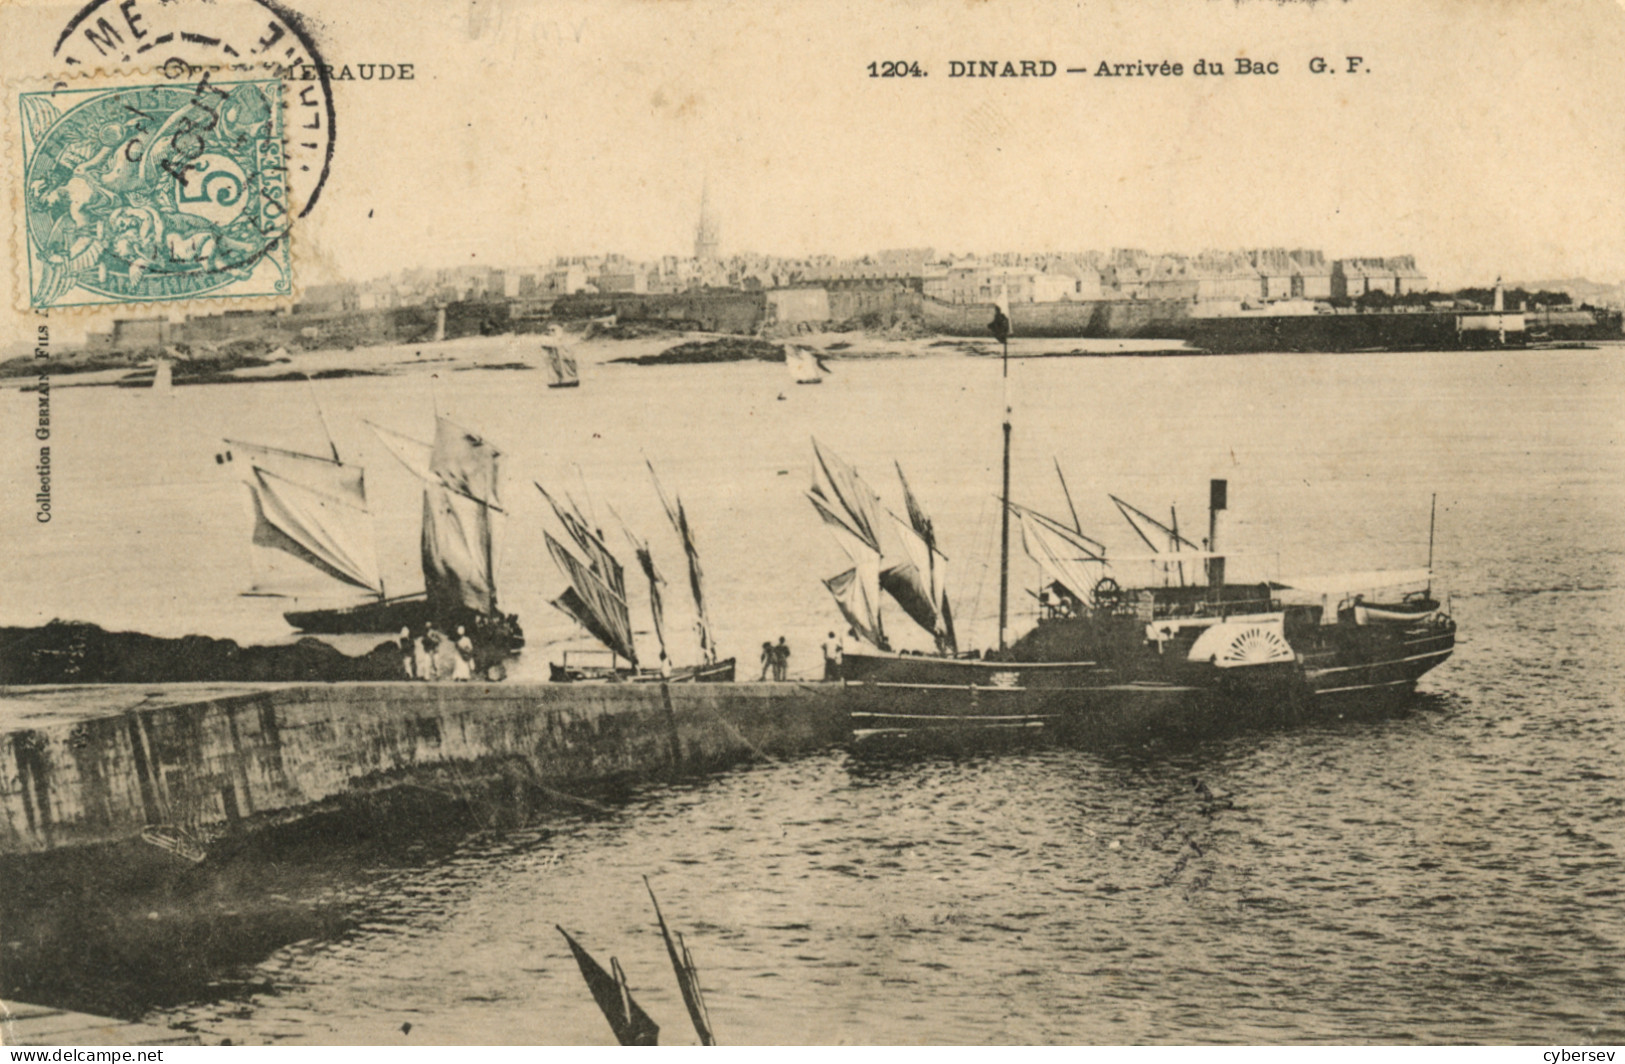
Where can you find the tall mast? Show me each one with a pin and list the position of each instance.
(1433, 513)
(1077, 526)
(1001, 329)
(317, 403)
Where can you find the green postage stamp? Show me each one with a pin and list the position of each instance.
(154, 190)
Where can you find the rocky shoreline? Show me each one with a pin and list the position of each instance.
(76, 652)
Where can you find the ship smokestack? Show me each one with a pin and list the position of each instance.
(1218, 500)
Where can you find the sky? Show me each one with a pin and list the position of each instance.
(1486, 138)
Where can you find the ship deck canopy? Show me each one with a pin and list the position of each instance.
(1368, 581)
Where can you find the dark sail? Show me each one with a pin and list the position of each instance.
(592, 600)
(632, 1026)
(456, 552)
(657, 609)
(908, 590)
(688, 977)
(679, 521)
(459, 473)
(933, 575)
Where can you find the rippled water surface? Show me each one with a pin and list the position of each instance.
(1450, 872)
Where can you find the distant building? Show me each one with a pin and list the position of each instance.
(565, 281)
(1397, 275)
(133, 335)
(1275, 271)
(622, 281)
(1128, 271)
(1311, 276)
(794, 306)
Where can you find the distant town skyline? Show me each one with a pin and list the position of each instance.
(1485, 140)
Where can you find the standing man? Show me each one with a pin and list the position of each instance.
(408, 665)
(769, 657)
(781, 660)
(834, 654)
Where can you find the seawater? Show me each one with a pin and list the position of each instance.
(1445, 873)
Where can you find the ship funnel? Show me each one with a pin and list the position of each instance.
(1218, 500)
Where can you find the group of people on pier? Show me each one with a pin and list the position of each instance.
(431, 655)
(776, 660)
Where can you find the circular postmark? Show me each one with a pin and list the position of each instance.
(180, 37)
(156, 191)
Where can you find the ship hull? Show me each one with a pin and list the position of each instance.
(389, 615)
(1148, 690)
(715, 672)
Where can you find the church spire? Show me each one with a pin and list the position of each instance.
(705, 238)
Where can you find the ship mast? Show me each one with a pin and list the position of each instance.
(1433, 514)
(1000, 328)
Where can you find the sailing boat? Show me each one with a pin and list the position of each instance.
(1102, 651)
(459, 471)
(596, 600)
(632, 1026)
(312, 507)
(805, 367)
(561, 364)
(916, 576)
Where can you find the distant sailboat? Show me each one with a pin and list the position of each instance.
(157, 375)
(805, 367)
(561, 363)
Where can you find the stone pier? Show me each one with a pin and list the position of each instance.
(182, 766)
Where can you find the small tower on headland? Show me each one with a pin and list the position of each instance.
(706, 240)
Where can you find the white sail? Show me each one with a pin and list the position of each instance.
(413, 454)
(326, 531)
(561, 363)
(844, 498)
(312, 508)
(1061, 559)
(465, 462)
(857, 594)
(324, 475)
(803, 365)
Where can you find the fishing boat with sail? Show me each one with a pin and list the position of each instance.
(596, 599)
(805, 367)
(561, 363)
(1108, 647)
(459, 472)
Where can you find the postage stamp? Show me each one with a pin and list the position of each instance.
(157, 189)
